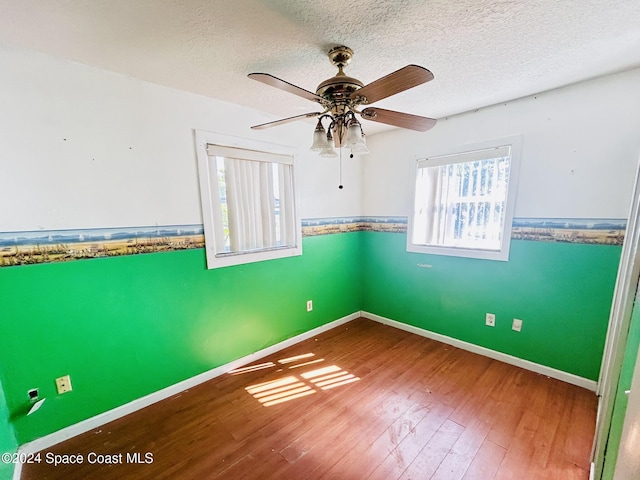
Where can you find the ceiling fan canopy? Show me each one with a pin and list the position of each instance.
(341, 98)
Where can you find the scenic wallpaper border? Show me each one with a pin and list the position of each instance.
(46, 246)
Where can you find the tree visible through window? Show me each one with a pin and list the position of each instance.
(463, 204)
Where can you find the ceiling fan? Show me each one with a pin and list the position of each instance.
(341, 98)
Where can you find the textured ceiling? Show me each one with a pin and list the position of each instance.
(481, 52)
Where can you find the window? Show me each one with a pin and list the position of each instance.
(248, 201)
(463, 202)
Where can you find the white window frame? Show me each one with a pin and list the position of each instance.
(502, 254)
(209, 196)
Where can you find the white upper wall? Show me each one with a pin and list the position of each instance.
(86, 148)
(581, 146)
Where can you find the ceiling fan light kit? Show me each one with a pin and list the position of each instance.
(324, 141)
(341, 96)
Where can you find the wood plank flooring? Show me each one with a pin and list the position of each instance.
(363, 401)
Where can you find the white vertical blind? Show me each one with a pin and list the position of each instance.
(247, 188)
(287, 224)
(256, 201)
(460, 199)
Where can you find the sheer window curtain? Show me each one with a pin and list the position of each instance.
(431, 207)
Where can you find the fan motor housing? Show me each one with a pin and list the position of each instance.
(338, 87)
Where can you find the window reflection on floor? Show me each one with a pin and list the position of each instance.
(291, 387)
(252, 368)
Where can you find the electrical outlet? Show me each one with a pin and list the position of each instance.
(309, 305)
(490, 319)
(63, 384)
(33, 395)
(517, 324)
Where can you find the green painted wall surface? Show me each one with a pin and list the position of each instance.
(561, 291)
(145, 322)
(8, 442)
(620, 405)
(124, 327)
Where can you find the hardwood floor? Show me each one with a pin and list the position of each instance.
(371, 402)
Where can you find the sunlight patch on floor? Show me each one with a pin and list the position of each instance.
(296, 358)
(291, 387)
(321, 371)
(330, 377)
(307, 363)
(273, 384)
(279, 391)
(252, 368)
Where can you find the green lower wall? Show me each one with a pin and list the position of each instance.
(561, 291)
(8, 442)
(127, 326)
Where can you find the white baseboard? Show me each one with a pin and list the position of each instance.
(503, 357)
(118, 412)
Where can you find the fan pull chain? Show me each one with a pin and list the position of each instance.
(340, 186)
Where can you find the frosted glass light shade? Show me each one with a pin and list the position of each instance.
(328, 152)
(354, 135)
(320, 141)
(360, 148)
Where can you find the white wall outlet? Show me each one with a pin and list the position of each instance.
(309, 305)
(490, 319)
(63, 384)
(517, 324)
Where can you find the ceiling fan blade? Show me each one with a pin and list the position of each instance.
(396, 82)
(285, 120)
(398, 119)
(286, 86)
